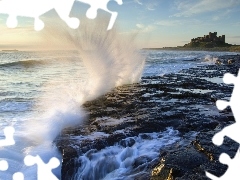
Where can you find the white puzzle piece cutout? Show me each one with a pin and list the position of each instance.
(3, 165)
(36, 8)
(44, 171)
(18, 176)
(8, 141)
(231, 131)
(101, 4)
(233, 167)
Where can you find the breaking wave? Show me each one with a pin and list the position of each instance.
(24, 63)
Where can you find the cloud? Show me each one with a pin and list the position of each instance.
(177, 22)
(137, 1)
(149, 5)
(188, 7)
(150, 9)
(140, 26)
(145, 28)
(215, 18)
(169, 23)
(221, 15)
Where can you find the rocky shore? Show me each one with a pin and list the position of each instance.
(184, 101)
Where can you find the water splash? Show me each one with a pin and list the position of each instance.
(210, 59)
(110, 60)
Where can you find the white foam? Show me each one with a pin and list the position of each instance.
(117, 162)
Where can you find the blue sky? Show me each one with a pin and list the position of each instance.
(175, 22)
(158, 23)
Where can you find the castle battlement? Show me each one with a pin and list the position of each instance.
(211, 37)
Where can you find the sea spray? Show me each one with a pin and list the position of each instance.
(210, 59)
(111, 58)
(110, 61)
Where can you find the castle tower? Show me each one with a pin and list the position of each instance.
(211, 36)
(223, 38)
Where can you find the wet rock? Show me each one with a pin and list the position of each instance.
(145, 136)
(230, 61)
(69, 155)
(140, 176)
(184, 101)
(218, 62)
(140, 160)
(129, 142)
(179, 163)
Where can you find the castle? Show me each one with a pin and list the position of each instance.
(208, 41)
(212, 37)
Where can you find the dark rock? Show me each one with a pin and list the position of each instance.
(129, 142)
(140, 160)
(178, 163)
(184, 101)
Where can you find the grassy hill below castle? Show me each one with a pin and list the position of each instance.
(210, 42)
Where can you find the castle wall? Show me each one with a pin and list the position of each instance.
(211, 37)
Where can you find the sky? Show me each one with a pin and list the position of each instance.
(156, 23)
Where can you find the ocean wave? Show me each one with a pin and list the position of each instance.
(24, 63)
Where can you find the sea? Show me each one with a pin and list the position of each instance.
(41, 93)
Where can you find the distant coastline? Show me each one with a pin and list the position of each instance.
(210, 42)
(9, 50)
(232, 48)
